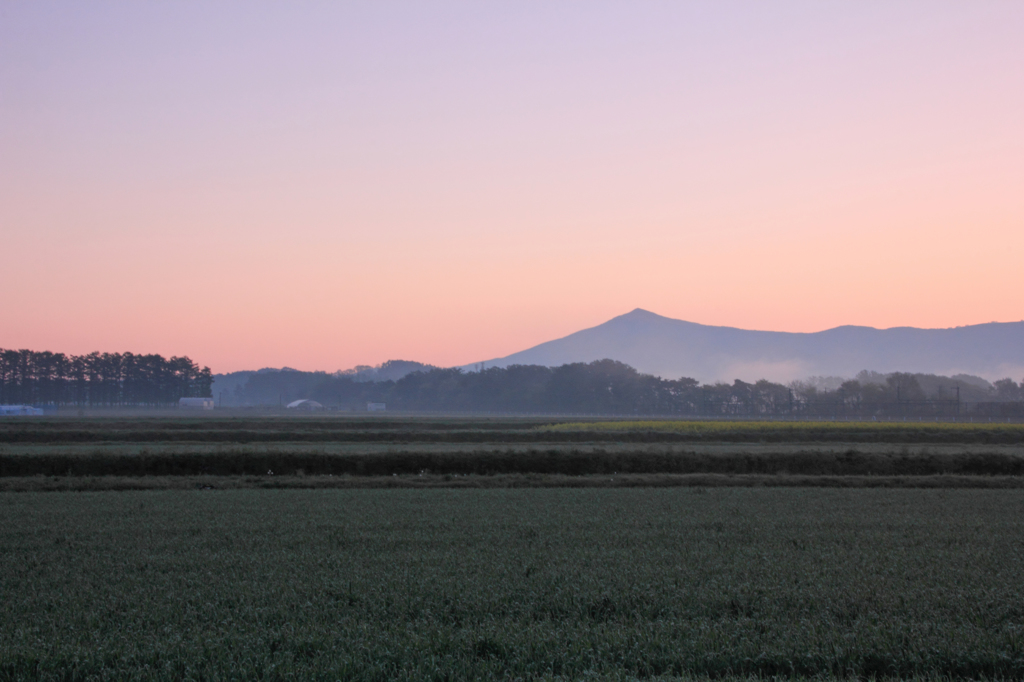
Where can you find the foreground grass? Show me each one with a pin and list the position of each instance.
(529, 584)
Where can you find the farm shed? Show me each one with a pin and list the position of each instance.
(20, 411)
(307, 405)
(196, 403)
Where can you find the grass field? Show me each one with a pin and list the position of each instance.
(511, 584)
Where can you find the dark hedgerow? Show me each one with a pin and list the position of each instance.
(567, 462)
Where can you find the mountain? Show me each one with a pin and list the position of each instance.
(674, 348)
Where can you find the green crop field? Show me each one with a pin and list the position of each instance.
(512, 584)
(352, 548)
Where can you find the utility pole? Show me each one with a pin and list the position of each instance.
(899, 406)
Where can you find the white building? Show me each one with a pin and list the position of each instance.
(307, 405)
(20, 411)
(376, 407)
(196, 403)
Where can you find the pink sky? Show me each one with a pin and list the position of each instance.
(268, 184)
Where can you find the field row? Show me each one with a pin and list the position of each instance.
(483, 430)
(285, 448)
(272, 481)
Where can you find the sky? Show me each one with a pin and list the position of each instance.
(321, 185)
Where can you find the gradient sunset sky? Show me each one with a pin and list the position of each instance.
(321, 185)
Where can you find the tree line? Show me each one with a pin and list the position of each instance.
(99, 379)
(611, 387)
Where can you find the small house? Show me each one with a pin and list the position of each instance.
(196, 403)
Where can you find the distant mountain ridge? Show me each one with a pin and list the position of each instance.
(675, 348)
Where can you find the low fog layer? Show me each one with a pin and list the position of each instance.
(611, 387)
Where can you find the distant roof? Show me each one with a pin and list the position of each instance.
(305, 403)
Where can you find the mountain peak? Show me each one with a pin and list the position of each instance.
(641, 314)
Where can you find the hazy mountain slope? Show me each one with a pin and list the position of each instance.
(673, 348)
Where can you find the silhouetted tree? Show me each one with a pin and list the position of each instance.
(45, 378)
